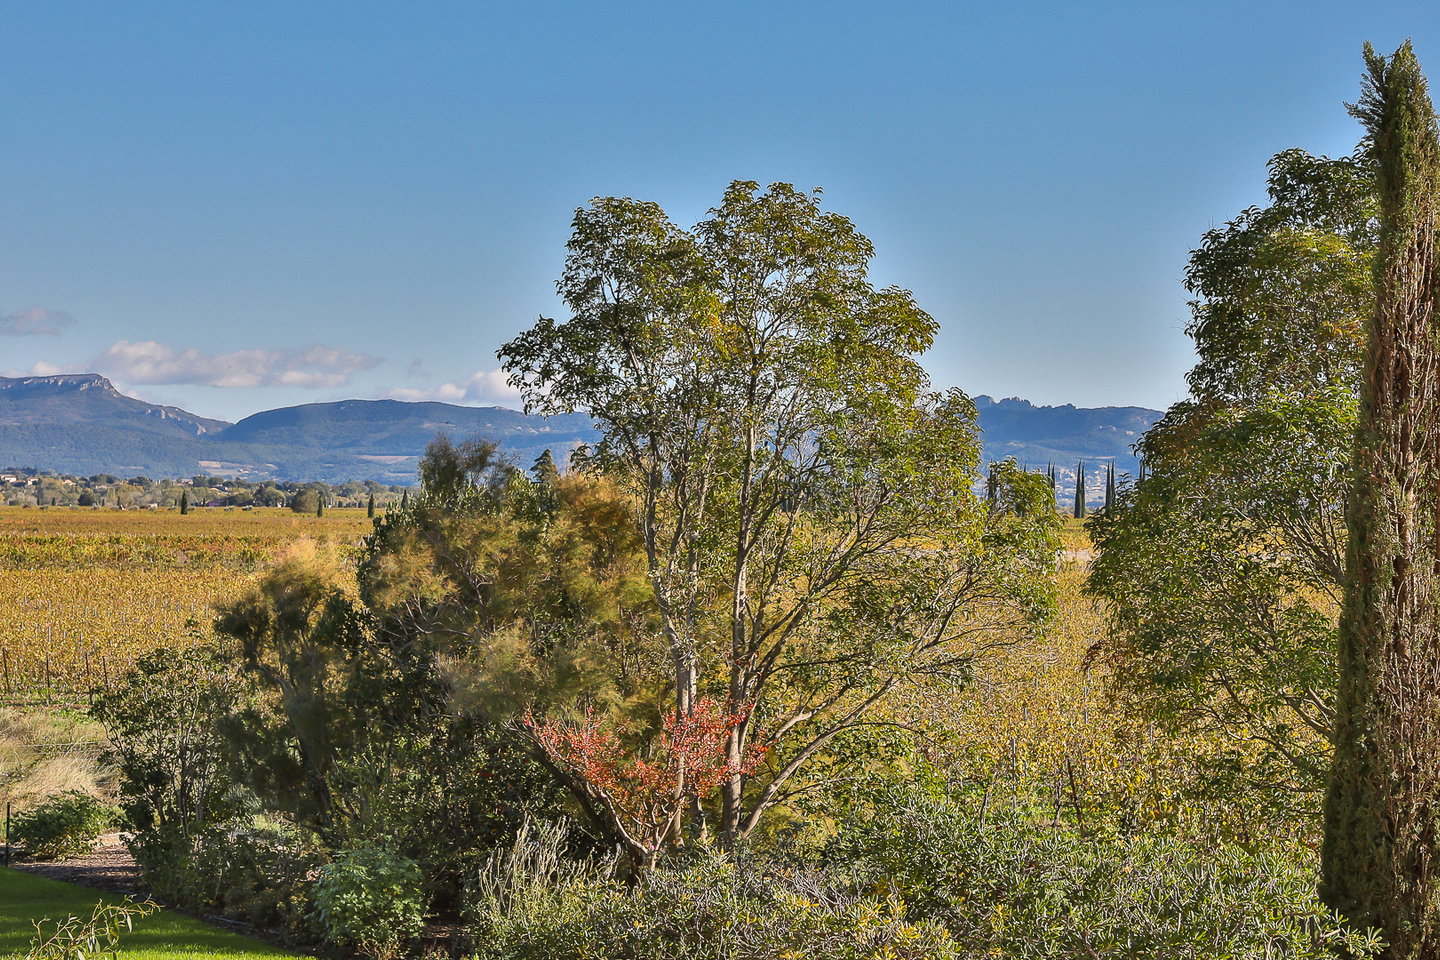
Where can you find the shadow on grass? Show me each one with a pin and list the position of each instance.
(163, 936)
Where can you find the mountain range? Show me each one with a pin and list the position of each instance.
(1063, 436)
(80, 424)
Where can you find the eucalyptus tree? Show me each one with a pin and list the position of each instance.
(1222, 567)
(1382, 813)
(807, 504)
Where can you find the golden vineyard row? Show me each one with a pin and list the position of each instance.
(85, 592)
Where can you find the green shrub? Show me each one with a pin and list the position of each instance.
(716, 907)
(533, 903)
(371, 900)
(531, 900)
(65, 824)
(174, 781)
(255, 870)
(1010, 886)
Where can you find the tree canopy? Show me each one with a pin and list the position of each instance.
(1222, 570)
(807, 508)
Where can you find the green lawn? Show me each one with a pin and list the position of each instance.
(162, 936)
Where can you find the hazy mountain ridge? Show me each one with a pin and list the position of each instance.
(75, 396)
(1062, 435)
(80, 424)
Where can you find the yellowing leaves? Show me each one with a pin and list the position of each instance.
(84, 592)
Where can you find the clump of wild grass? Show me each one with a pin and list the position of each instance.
(44, 752)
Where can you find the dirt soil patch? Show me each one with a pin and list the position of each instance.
(108, 867)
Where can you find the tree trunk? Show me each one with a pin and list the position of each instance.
(1379, 861)
(685, 694)
(732, 790)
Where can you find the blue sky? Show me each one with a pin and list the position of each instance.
(234, 206)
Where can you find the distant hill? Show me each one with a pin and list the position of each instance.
(82, 396)
(383, 439)
(1063, 435)
(71, 423)
(81, 424)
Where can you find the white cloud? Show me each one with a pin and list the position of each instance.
(151, 362)
(35, 321)
(43, 369)
(483, 386)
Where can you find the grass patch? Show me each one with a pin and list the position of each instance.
(1073, 535)
(162, 936)
(45, 751)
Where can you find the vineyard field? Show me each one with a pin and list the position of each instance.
(83, 592)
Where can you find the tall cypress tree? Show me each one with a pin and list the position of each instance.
(1054, 490)
(1080, 491)
(1109, 485)
(370, 507)
(184, 502)
(544, 469)
(1381, 855)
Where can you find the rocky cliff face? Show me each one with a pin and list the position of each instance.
(72, 399)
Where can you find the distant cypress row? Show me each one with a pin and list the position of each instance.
(1109, 485)
(1054, 490)
(1080, 491)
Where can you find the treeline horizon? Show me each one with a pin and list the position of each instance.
(30, 486)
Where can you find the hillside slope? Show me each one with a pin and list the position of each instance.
(81, 424)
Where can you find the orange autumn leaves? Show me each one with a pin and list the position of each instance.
(644, 793)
